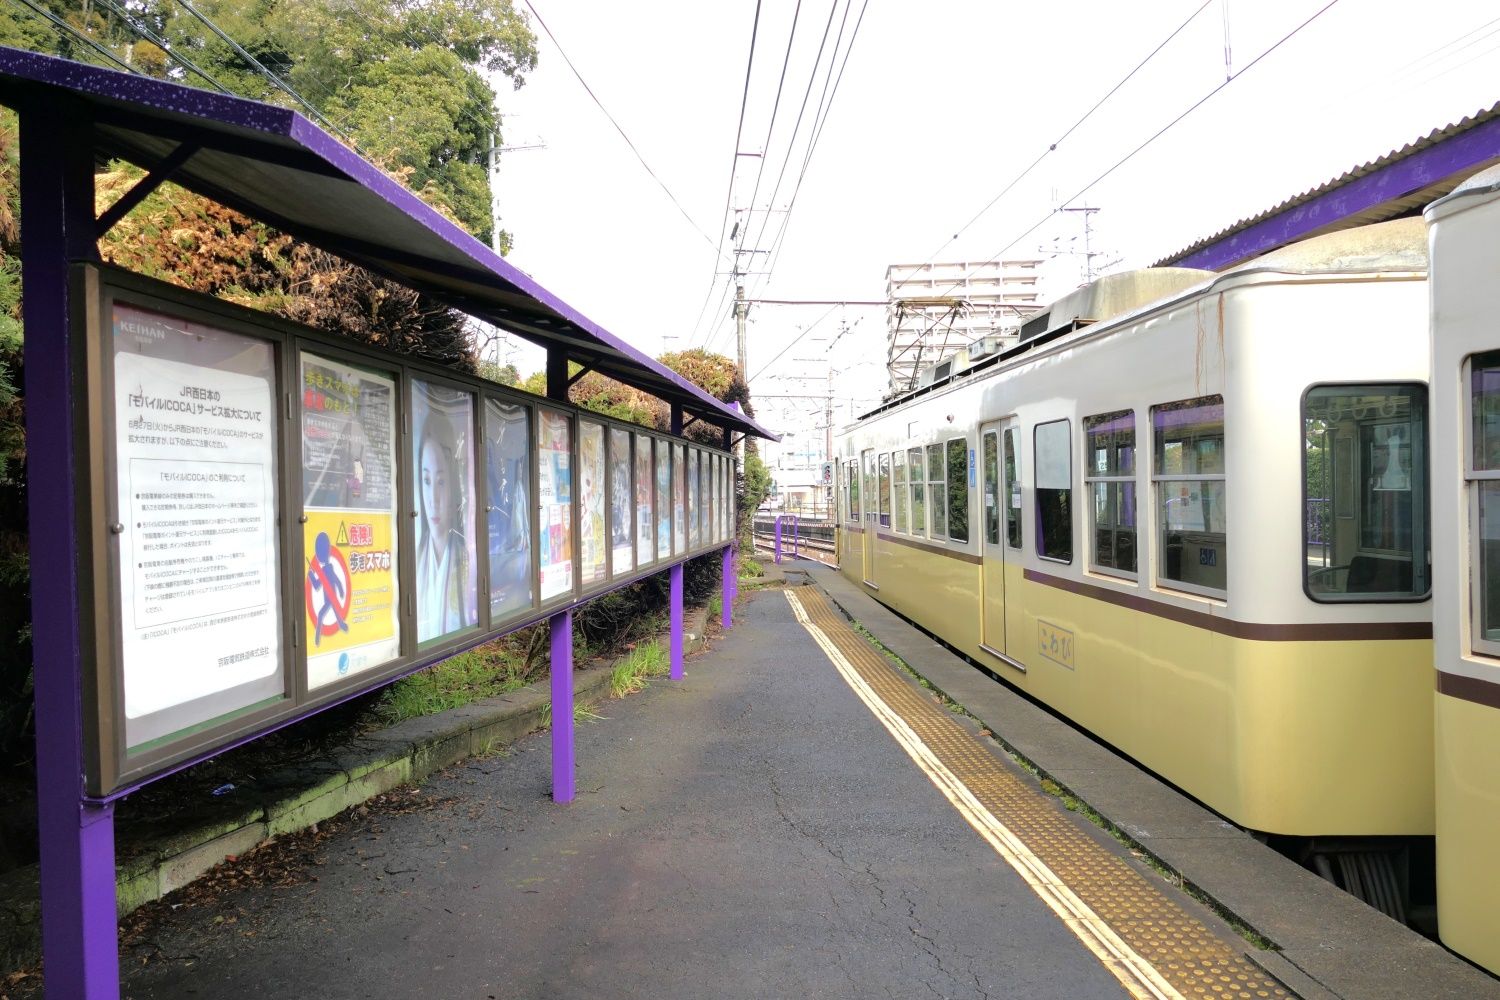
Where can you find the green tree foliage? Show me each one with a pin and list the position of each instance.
(404, 80)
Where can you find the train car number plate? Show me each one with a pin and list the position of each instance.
(1056, 644)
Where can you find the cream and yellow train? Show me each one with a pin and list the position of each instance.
(1465, 245)
(1190, 511)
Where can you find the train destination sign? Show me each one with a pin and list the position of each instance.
(281, 518)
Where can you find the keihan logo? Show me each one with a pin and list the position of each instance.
(327, 591)
(343, 664)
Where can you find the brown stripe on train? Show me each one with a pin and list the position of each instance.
(1297, 632)
(1480, 692)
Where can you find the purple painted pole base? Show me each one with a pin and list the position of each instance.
(778, 539)
(563, 778)
(726, 588)
(676, 639)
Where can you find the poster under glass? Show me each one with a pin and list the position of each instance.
(198, 568)
(694, 500)
(507, 461)
(349, 582)
(621, 543)
(679, 499)
(591, 527)
(645, 546)
(663, 499)
(554, 483)
(443, 497)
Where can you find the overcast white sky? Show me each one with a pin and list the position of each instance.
(941, 105)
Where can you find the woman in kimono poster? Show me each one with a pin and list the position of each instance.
(443, 457)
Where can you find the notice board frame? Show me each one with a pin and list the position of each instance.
(110, 770)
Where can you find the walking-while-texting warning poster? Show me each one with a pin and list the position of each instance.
(349, 582)
(195, 487)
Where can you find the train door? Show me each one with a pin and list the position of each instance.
(995, 500)
(869, 516)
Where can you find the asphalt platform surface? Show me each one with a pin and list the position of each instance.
(749, 832)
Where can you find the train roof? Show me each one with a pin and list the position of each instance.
(1396, 246)
(1483, 183)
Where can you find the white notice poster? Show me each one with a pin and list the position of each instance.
(195, 460)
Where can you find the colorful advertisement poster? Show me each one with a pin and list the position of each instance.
(645, 547)
(679, 499)
(694, 500)
(507, 442)
(622, 545)
(349, 584)
(199, 566)
(442, 459)
(663, 499)
(591, 527)
(554, 480)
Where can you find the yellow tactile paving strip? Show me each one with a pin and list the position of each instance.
(1165, 953)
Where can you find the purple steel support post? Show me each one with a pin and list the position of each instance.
(676, 420)
(676, 640)
(79, 936)
(562, 706)
(557, 375)
(796, 523)
(778, 539)
(726, 587)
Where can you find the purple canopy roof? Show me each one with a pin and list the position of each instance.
(272, 164)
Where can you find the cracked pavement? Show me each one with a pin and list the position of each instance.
(750, 832)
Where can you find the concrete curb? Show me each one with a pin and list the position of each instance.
(296, 798)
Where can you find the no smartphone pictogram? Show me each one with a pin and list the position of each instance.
(327, 589)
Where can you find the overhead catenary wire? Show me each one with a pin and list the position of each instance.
(1137, 150)
(733, 163)
(260, 67)
(786, 61)
(1052, 148)
(67, 28)
(161, 43)
(718, 249)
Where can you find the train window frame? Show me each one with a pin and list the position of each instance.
(900, 502)
(1159, 478)
(883, 488)
(1115, 482)
(1422, 518)
(1010, 474)
(935, 483)
(1037, 452)
(1474, 480)
(958, 489)
(916, 460)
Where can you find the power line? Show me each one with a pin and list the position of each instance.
(733, 163)
(62, 25)
(826, 110)
(795, 340)
(239, 50)
(708, 239)
(1071, 129)
(162, 44)
(786, 61)
(1132, 154)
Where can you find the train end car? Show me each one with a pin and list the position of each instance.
(1464, 234)
(1197, 527)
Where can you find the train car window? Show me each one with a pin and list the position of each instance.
(937, 490)
(885, 489)
(1053, 446)
(918, 491)
(898, 491)
(1109, 480)
(867, 491)
(1483, 473)
(991, 465)
(1188, 449)
(852, 482)
(1012, 489)
(958, 490)
(1364, 499)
